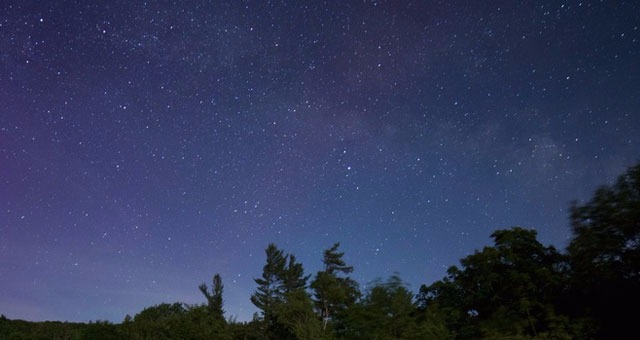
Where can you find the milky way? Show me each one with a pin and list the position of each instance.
(146, 146)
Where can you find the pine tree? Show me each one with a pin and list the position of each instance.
(281, 295)
(293, 276)
(269, 285)
(333, 293)
(214, 299)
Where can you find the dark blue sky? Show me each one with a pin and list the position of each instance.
(146, 146)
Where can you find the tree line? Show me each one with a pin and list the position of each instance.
(516, 289)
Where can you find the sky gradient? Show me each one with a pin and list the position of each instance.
(145, 146)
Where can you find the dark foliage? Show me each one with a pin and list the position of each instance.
(605, 256)
(334, 291)
(515, 289)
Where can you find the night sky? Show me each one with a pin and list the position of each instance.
(145, 147)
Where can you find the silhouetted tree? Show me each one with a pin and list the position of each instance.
(334, 292)
(214, 298)
(386, 312)
(508, 290)
(293, 277)
(280, 295)
(605, 255)
(297, 316)
(268, 291)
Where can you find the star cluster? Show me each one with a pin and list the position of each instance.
(145, 146)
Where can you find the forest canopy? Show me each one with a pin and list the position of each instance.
(517, 288)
